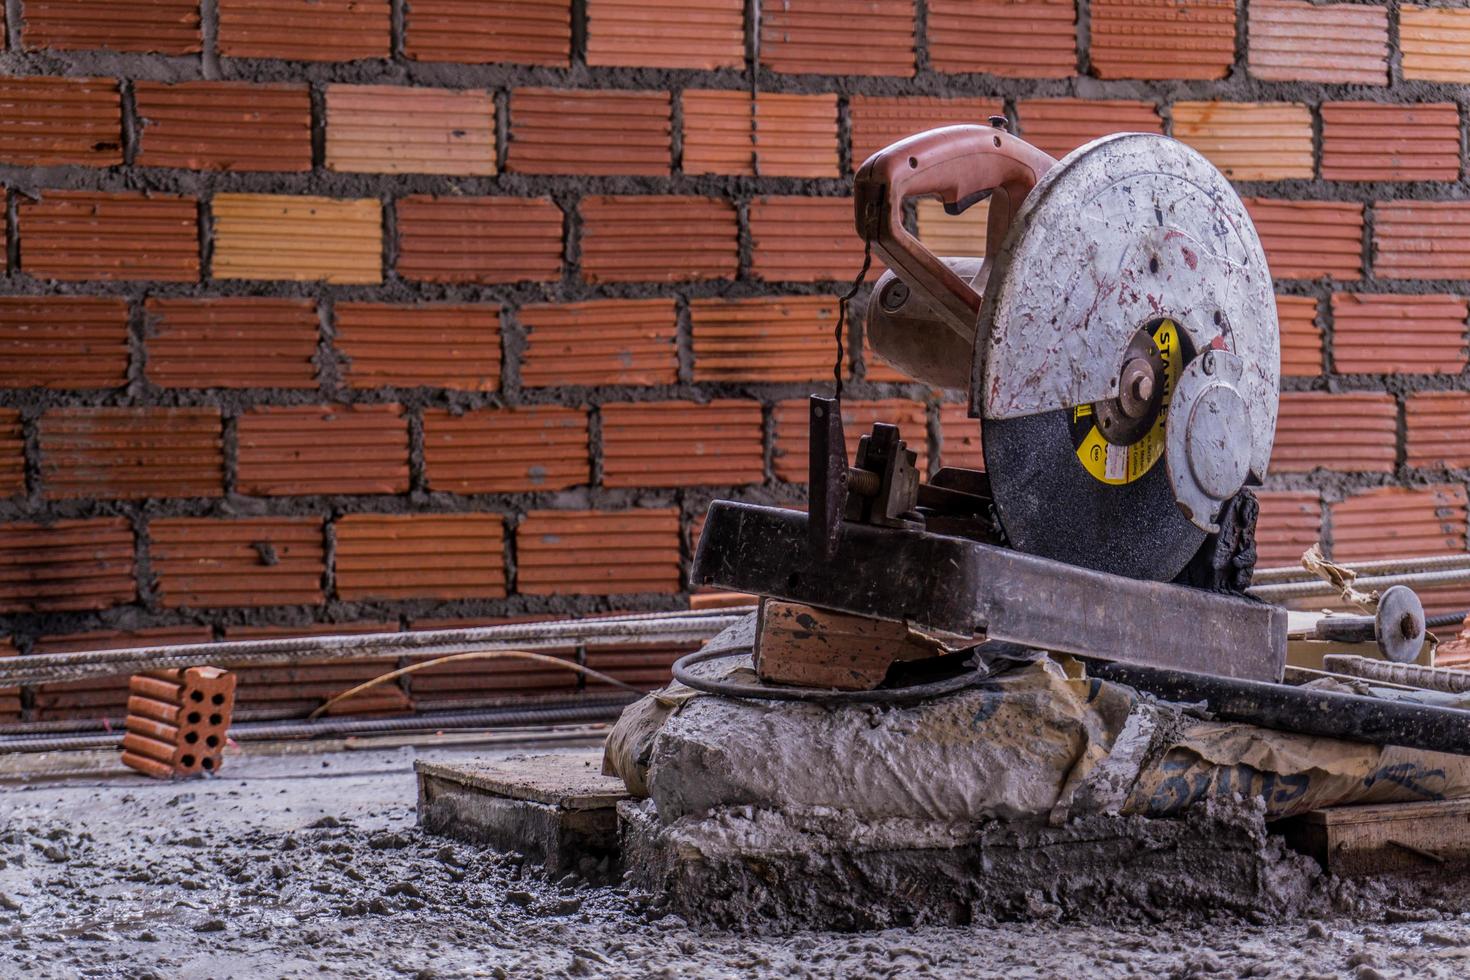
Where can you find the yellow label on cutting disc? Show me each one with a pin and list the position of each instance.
(1123, 464)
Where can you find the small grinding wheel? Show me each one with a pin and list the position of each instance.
(1399, 626)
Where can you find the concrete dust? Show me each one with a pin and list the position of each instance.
(310, 865)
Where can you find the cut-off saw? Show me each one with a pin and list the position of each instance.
(1120, 350)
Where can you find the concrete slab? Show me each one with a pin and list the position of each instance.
(555, 809)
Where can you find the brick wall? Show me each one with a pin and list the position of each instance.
(412, 311)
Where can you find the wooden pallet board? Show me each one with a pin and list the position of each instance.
(1354, 841)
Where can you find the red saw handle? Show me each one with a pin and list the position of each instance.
(960, 165)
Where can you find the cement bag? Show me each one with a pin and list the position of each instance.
(1290, 773)
(1032, 743)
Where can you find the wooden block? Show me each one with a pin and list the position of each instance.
(558, 809)
(813, 647)
(1388, 837)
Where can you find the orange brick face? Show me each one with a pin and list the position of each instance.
(130, 453)
(78, 235)
(239, 342)
(304, 30)
(203, 562)
(336, 449)
(486, 240)
(602, 342)
(804, 239)
(420, 556)
(598, 552)
(637, 238)
(527, 32)
(497, 450)
(694, 34)
(1037, 39)
(1293, 40)
(398, 130)
(224, 126)
(1364, 141)
(1347, 433)
(1163, 38)
(678, 444)
(429, 346)
(797, 37)
(57, 121)
(582, 132)
(161, 27)
(63, 342)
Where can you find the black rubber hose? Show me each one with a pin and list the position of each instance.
(760, 692)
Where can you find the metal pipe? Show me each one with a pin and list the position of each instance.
(1280, 592)
(1305, 710)
(599, 709)
(638, 629)
(1292, 573)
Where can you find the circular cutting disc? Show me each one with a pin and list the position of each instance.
(1128, 233)
(1050, 505)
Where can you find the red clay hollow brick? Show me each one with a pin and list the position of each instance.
(178, 721)
(74, 235)
(804, 239)
(205, 562)
(1421, 240)
(1398, 334)
(66, 565)
(580, 552)
(420, 556)
(1163, 39)
(1434, 41)
(600, 342)
(410, 346)
(1349, 433)
(304, 30)
(506, 450)
(224, 126)
(56, 121)
(1032, 39)
(479, 239)
(1389, 522)
(1059, 126)
(148, 26)
(394, 129)
(1301, 339)
(658, 238)
(232, 342)
(778, 338)
(809, 37)
(655, 34)
(63, 342)
(524, 32)
(1309, 239)
(1375, 141)
(682, 444)
(309, 449)
(131, 453)
(1437, 422)
(1293, 40)
(1289, 524)
(562, 131)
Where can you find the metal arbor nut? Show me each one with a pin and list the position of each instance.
(1208, 442)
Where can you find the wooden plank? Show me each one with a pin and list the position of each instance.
(1391, 837)
(811, 647)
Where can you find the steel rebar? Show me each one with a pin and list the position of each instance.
(1282, 591)
(598, 709)
(637, 629)
(1293, 573)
